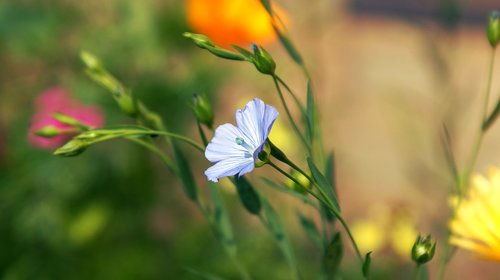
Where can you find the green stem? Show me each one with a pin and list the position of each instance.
(328, 204)
(417, 272)
(479, 140)
(202, 134)
(289, 115)
(295, 98)
(152, 148)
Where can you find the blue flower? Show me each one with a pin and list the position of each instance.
(235, 149)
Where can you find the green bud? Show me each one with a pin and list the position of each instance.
(73, 148)
(263, 156)
(200, 40)
(263, 61)
(91, 61)
(48, 131)
(65, 119)
(304, 182)
(493, 30)
(423, 250)
(203, 110)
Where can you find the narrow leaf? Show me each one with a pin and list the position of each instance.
(311, 114)
(310, 229)
(267, 6)
(366, 265)
(248, 55)
(333, 256)
(185, 174)
(323, 183)
(287, 44)
(249, 198)
(491, 119)
(221, 222)
(448, 151)
(330, 177)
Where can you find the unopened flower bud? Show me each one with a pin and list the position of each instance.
(91, 61)
(263, 61)
(73, 148)
(423, 250)
(65, 119)
(493, 31)
(200, 40)
(264, 155)
(203, 110)
(48, 131)
(299, 177)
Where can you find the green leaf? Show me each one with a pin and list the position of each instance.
(493, 116)
(221, 221)
(287, 44)
(249, 198)
(323, 183)
(185, 174)
(311, 114)
(248, 55)
(223, 53)
(274, 225)
(333, 256)
(330, 177)
(366, 265)
(267, 6)
(310, 229)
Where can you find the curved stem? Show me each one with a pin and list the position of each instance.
(289, 115)
(329, 205)
(479, 140)
(295, 98)
(152, 148)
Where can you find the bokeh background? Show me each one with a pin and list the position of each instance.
(387, 73)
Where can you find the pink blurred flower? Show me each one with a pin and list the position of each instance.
(57, 100)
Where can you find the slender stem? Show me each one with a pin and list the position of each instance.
(295, 98)
(328, 204)
(152, 148)
(202, 134)
(289, 115)
(479, 140)
(417, 272)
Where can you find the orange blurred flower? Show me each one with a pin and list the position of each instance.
(226, 22)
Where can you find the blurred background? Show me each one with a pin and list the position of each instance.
(387, 73)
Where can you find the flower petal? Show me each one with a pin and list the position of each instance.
(255, 121)
(224, 146)
(229, 167)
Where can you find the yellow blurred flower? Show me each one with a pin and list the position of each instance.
(226, 22)
(386, 228)
(476, 224)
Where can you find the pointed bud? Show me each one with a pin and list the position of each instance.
(73, 148)
(200, 40)
(304, 182)
(65, 119)
(493, 31)
(423, 250)
(202, 110)
(263, 156)
(48, 131)
(91, 61)
(263, 61)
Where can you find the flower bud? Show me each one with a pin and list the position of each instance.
(263, 156)
(493, 31)
(73, 148)
(203, 110)
(263, 60)
(304, 182)
(67, 120)
(200, 40)
(91, 61)
(48, 131)
(423, 250)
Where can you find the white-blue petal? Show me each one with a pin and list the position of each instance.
(224, 145)
(229, 167)
(255, 121)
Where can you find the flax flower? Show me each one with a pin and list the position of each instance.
(227, 22)
(476, 224)
(235, 149)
